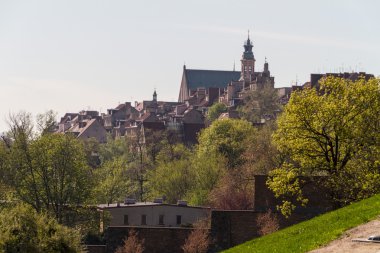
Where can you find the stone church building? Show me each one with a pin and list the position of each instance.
(229, 86)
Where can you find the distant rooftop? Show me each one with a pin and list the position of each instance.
(210, 78)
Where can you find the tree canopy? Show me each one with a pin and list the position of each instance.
(333, 132)
(47, 171)
(22, 229)
(262, 103)
(226, 137)
(215, 110)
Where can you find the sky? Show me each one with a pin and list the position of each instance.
(74, 55)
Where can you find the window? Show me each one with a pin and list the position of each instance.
(179, 219)
(161, 219)
(143, 219)
(126, 220)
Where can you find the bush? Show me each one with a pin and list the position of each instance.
(132, 244)
(267, 223)
(198, 241)
(22, 229)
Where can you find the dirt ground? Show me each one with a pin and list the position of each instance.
(345, 245)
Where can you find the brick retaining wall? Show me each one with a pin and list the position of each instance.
(157, 239)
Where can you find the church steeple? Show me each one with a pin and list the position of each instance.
(154, 96)
(248, 54)
(247, 62)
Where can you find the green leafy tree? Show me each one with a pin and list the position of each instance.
(140, 163)
(91, 148)
(157, 140)
(114, 148)
(47, 171)
(113, 182)
(261, 154)
(262, 103)
(226, 137)
(3, 159)
(222, 148)
(173, 176)
(62, 175)
(22, 229)
(215, 111)
(208, 169)
(334, 132)
(19, 160)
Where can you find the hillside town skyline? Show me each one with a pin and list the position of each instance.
(122, 52)
(234, 75)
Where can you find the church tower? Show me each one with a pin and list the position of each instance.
(247, 62)
(155, 96)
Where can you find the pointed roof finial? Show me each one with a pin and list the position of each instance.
(248, 33)
(265, 59)
(234, 65)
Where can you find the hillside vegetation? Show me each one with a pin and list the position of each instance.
(316, 232)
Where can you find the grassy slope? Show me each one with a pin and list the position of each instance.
(316, 232)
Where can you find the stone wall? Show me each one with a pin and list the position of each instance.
(157, 239)
(96, 248)
(230, 228)
(319, 199)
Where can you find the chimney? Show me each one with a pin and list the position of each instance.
(182, 203)
(158, 200)
(129, 201)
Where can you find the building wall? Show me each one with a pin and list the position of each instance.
(156, 240)
(189, 215)
(230, 228)
(96, 130)
(319, 199)
(96, 248)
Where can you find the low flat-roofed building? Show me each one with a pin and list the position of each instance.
(153, 214)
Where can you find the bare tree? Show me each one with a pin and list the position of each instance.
(199, 240)
(46, 122)
(267, 223)
(233, 192)
(132, 244)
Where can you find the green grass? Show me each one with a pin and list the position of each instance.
(316, 232)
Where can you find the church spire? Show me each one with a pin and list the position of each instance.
(248, 54)
(154, 96)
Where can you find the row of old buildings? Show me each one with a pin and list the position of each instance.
(199, 89)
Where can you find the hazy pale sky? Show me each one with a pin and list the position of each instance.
(71, 55)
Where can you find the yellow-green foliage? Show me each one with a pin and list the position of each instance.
(227, 137)
(333, 132)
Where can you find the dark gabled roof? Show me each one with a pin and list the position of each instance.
(210, 78)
